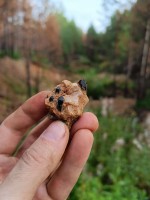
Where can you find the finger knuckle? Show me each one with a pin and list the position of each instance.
(31, 157)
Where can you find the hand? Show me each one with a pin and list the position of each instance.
(43, 169)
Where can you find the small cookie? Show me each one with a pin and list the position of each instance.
(67, 101)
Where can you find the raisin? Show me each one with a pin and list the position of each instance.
(57, 90)
(60, 103)
(83, 84)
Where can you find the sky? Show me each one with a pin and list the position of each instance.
(87, 12)
(84, 12)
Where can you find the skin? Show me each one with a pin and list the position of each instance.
(48, 164)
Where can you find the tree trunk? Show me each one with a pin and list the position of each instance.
(142, 79)
(28, 78)
(126, 90)
(37, 80)
(6, 28)
(114, 86)
(128, 71)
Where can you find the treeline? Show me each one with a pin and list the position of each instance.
(127, 42)
(47, 35)
(124, 48)
(28, 30)
(51, 34)
(44, 33)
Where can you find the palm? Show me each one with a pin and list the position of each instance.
(6, 165)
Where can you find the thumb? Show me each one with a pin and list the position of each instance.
(38, 162)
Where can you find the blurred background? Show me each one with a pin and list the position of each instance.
(107, 43)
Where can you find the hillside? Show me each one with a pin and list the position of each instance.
(13, 82)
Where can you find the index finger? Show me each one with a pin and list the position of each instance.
(15, 126)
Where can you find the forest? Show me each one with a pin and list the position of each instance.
(40, 46)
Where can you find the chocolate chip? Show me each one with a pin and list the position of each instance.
(51, 99)
(57, 90)
(83, 84)
(60, 103)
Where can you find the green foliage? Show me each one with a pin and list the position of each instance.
(97, 87)
(40, 59)
(120, 173)
(92, 44)
(90, 188)
(12, 54)
(113, 128)
(130, 84)
(144, 103)
(71, 38)
(87, 188)
(140, 167)
(16, 86)
(84, 60)
(100, 86)
(105, 66)
(115, 43)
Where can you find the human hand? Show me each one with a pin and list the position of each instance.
(43, 169)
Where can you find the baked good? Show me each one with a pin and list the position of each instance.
(67, 101)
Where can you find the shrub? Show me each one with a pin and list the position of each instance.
(14, 55)
(144, 103)
(84, 60)
(97, 87)
(86, 188)
(121, 173)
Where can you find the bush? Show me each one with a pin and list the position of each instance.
(86, 188)
(84, 60)
(120, 173)
(14, 55)
(131, 85)
(144, 103)
(100, 85)
(105, 66)
(97, 87)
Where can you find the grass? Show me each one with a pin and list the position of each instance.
(16, 86)
(120, 173)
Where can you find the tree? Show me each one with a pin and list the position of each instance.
(52, 34)
(141, 37)
(28, 28)
(71, 39)
(92, 44)
(8, 10)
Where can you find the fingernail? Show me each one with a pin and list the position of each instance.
(56, 131)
